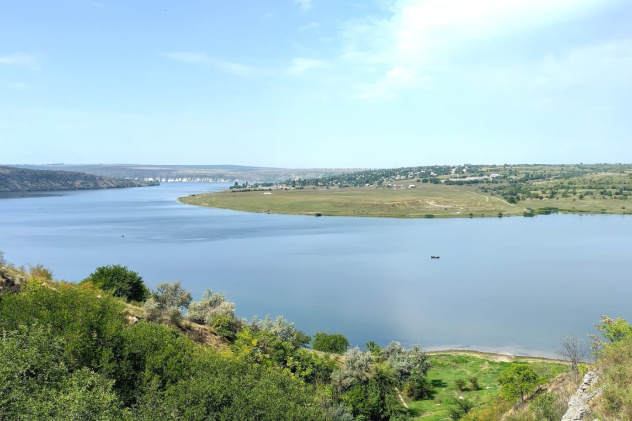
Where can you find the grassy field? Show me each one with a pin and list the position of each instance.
(450, 366)
(424, 201)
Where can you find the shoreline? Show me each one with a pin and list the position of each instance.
(418, 203)
(496, 356)
(396, 216)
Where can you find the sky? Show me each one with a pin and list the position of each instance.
(315, 83)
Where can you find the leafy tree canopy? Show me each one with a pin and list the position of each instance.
(120, 281)
(518, 381)
(335, 343)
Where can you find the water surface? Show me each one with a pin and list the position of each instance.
(512, 284)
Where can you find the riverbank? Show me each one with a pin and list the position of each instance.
(416, 200)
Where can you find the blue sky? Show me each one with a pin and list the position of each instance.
(316, 83)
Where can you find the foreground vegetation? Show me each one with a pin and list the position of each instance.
(440, 191)
(80, 352)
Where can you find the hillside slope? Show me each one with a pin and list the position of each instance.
(21, 180)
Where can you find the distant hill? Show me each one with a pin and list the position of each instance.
(21, 179)
(193, 173)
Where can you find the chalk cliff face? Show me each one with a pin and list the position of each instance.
(22, 180)
(578, 409)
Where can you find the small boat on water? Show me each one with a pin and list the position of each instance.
(434, 257)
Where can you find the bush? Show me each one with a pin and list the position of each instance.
(120, 281)
(284, 330)
(474, 383)
(548, 407)
(151, 355)
(167, 301)
(460, 384)
(223, 388)
(335, 343)
(89, 323)
(616, 358)
(211, 305)
(40, 273)
(459, 408)
(36, 382)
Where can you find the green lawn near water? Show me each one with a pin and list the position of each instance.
(448, 367)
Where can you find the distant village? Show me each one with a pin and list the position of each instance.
(395, 179)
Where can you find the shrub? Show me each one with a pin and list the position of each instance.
(459, 408)
(616, 358)
(89, 323)
(40, 273)
(474, 383)
(335, 343)
(548, 407)
(37, 383)
(167, 301)
(211, 305)
(120, 281)
(284, 330)
(460, 384)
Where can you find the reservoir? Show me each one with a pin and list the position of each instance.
(501, 284)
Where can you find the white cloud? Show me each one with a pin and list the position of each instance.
(221, 65)
(602, 64)
(394, 79)
(304, 4)
(425, 36)
(300, 65)
(20, 59)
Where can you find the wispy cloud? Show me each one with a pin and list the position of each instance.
(189, 58)
(309, 26)
(221, 65)
(419, 38)
(19, 86)
(20, 59)
(304, 4)
(300, 65)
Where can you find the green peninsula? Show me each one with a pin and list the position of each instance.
(439, 191)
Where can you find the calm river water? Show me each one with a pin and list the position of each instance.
(509, 285)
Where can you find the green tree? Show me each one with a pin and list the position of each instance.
(518, 381)
(120, 281)
(335, 343)
(614, 330)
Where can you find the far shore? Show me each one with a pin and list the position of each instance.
(493, 356)
(422, 201)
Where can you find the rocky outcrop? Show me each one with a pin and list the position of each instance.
(10, 283)
(578, 409)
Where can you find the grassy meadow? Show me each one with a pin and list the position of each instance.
(426, 200)
(449, 366)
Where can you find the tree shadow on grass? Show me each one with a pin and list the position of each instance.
(438, 383)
